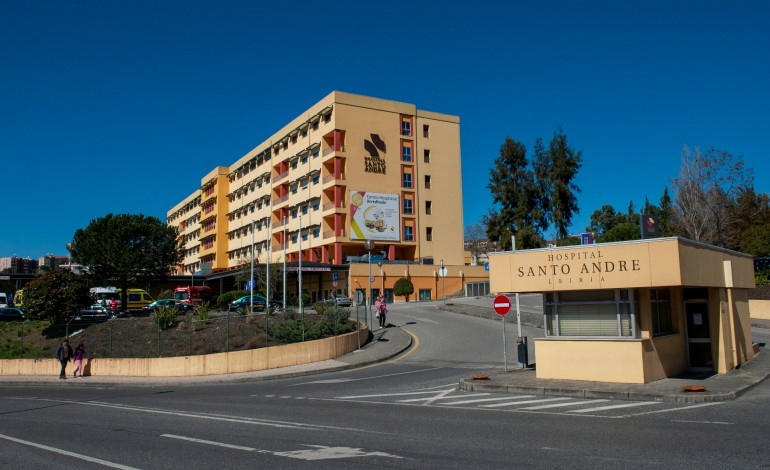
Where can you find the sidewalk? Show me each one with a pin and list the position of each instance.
(716, 387)
(384, 344)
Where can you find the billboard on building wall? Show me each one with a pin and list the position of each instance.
(374, 216)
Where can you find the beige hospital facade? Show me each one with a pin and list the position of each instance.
(349, 169)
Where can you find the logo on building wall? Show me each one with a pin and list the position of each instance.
(374, 163)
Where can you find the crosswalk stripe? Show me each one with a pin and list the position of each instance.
(463, 402)
(442, 398)
(613, 407)
(434, 392)
(557, 405)
(512, 403)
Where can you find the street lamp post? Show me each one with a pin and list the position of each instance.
(369, 246)
(69, 248)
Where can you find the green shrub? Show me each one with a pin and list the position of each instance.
(165, 317)
(319, 308)
(203, 311)
(224, 299)
(760, 279)
(336, 315)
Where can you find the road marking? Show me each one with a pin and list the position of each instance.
(316, 452)
(447, 398)
(379, 395)
(67, 453)
(557, 405)
(700, 422)
(213, 443)
(462, 402)
(701, 405)
(513, 403)
(374, 377)
(614, 407)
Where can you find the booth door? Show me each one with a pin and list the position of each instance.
(698, 336)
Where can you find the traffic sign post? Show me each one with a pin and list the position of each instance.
(502, 305)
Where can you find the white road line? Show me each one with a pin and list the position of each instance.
(402, 394)
(614, 407)
(67, 453)
(558, 405)
(374, 377)
(514, 403)
(700, 422)
(483, 400)
(315, 452)
(444, 397)
(668, 410)
(213, 443)
(437, 397)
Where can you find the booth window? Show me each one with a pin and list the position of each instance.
(596, 313)
(660, 306)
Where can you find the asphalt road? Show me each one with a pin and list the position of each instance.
(405, 413)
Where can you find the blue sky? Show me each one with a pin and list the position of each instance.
(122, 106)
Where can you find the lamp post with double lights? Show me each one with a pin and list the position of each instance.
(369, 246)
(70, 246)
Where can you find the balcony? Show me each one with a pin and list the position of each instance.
(280, 200)
(281, 176)
(330, 150)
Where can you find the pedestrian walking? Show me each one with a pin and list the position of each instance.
(64, 355)
(382, 311)
(80, 352)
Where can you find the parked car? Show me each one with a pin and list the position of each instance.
(339, 301)
(242, 304)
(11, 314)
(90, 315)
(180, 306)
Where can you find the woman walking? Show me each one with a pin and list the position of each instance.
(80, 352)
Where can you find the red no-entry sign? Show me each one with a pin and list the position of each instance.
(502, 305)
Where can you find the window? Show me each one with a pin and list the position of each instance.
(316, 204)
(425, 295)
(427, 181)
(406, 126)
(408, 235)
(315, 126)
(294, 238)
(294, 213)
(327, 117)
(304, 209)
(428, 207)
(407, 206)
(303, 132)
(316, 178)
(294, 188)
(303, 183)
(429, 234)
(660, 306)
(426, 131)
(406, 153)
(304, 235)
(294, 164)
(597, 313)
(406, 180)
(304, 159)
(315, 152)
(316, 232)
(426, 156)
(294, 139)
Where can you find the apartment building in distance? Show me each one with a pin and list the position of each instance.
(349, 169)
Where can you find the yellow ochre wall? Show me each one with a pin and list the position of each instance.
(211, 364)
(672, 263)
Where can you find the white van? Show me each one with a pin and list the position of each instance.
(3, 300)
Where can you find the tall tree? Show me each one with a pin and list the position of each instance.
(665, 224)
(751, 210)
(515, 195)
(54, 295)
(476, 241)
(127, 249)
(706, 188)
(561, 191)
(605, 219)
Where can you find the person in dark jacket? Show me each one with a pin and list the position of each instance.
(64, 355)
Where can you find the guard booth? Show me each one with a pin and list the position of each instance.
(636, 311)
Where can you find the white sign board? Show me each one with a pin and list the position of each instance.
(374, 216)
(442, 272)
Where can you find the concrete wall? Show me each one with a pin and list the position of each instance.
(760, 309)
(211, 364)
(608, 360)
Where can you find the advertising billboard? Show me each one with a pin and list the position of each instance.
(374, 216)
